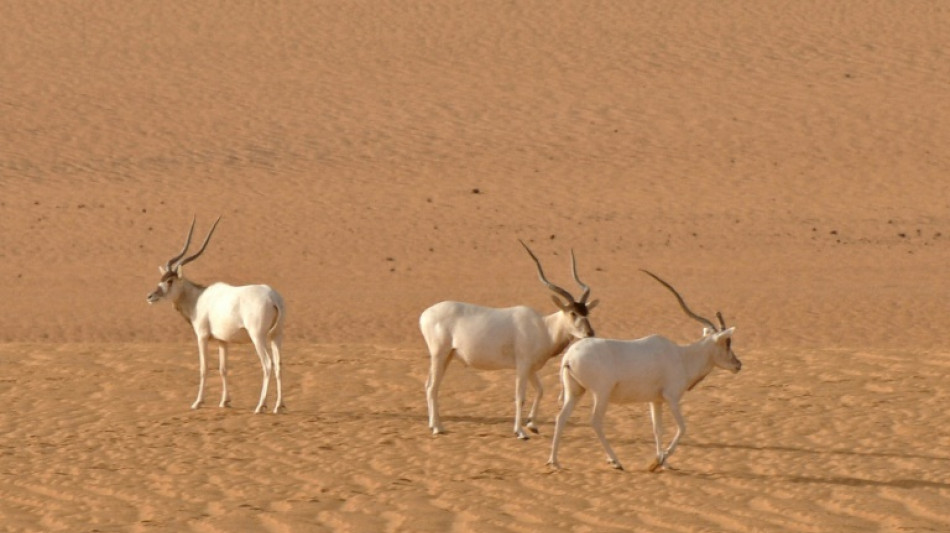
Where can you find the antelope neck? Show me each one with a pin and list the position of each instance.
(698, 360)
(187, 300)
(559, 337)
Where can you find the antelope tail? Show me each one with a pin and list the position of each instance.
(276, 324)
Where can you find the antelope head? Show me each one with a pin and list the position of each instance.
(577, 311)
(723, 357)
(169, 285)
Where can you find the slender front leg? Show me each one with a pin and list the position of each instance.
(521, 386)
(202, 370)
(223, 370)
(680, 427)
(539, 390)
(656, 415)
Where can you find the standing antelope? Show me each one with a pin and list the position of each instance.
(227, 314)
(652, 369)
(515, 337)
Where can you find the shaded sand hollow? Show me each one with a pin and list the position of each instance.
(784, 163)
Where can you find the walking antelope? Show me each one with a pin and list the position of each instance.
(652, 369)
(515, 337)
(227, 314)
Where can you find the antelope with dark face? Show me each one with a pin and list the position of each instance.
(653, 369)
(226, 314)
(516, 338)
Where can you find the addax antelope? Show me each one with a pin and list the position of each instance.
(652, 369)
(515, 337)
(227, 314)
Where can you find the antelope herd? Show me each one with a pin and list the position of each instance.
(652, 369)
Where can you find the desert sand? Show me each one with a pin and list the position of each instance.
(785, 163)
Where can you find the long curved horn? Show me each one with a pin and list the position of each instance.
(171, 262)
(191, 258)
(704, 321)
(544, 280)
(586, 293)
(722, 323)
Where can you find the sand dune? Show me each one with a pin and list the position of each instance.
(784, 164)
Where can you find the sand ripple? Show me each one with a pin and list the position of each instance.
(770, 448)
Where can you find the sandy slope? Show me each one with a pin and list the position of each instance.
(783, 163)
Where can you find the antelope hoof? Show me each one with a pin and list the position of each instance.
(196, 405)
(225, 404)
(656, 465)
(534, 429)
(522, 435)
(615, 464)
(554, 465)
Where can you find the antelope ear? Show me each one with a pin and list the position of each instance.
(178, 271)
(723, 335)
(560, 305)
(592, 304)
(162, 270)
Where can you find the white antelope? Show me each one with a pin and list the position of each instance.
(227, 314)
(652, 369)
(515, 337)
